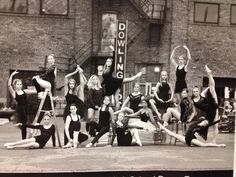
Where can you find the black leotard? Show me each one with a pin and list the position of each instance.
(45, 135)
(135, 101)
(95, 98)
(104, 118)
(124, 137)
(180, 83)
(144, 117)
(21, 111)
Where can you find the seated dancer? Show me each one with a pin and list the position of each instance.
(113, 84)
(20, 96)
(163, 95)
(94, 101)
(181, 71)
(105, 120)
(45, 82)
(187, 111)
(47, 131)
(125, 134)
(207, 102)
(133, 99)
(72, 128)
(74, 94)
(146, 120)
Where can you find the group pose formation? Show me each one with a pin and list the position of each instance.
(103, 114)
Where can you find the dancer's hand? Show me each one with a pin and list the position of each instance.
(184, 46)
(14, 73)
(18, 124)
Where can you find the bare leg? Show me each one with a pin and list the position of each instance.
(27, 145)
(45, 84)
(75, 138)
(130, 79)
(135, 135)
(83, 81)
(171, 112)
(117, 102)
(178, 98)
(21, 142)
(154, 108)
(126, 110)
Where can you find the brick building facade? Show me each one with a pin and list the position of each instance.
(27, 38)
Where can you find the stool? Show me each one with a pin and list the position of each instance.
(159, 137)
(175, 125)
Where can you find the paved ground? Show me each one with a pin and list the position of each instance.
(133, 158)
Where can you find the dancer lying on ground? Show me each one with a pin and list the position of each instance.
(47, 131)
(19, 94)
(72, 128)
(181, 71)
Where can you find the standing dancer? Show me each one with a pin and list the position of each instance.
(20, 96)
(181, 70)
(163, 95)
(74, 94)
(72, 128)
(94, 102)
(46, 81)
(47, 131)
(207, 103)
(113, 84)
(105, 120)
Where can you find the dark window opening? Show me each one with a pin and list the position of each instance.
(14, 6)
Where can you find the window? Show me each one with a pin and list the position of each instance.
(54, 7)
(233, 14)
(14, 6)
(206, 12)
(108, 32)
(154, 34)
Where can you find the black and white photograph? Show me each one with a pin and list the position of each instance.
(117, 88)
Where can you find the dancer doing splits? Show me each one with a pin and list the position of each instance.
(47, 131)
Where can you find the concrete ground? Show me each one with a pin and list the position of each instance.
(149, 157)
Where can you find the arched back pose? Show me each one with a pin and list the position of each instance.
(207, 102)
(163, 95)
(47, 131)
(186, 113)
(146, 121)
(46, 81)
(125, 134)
(72, 128)
(74, 94)
(94, 102)
(105, 120)
(113, 84)
(181, 70)
(20, 96)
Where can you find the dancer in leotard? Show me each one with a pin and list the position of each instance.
(113, 84)
(20, 96)
(94, 101)
(72, 128)
(74, 94)
(47, 130)
(163, 95)
(105, 120)
(181, 71)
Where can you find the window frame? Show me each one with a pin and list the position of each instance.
(42, 13)
(231, 7)
(9, 12)
(208, 3)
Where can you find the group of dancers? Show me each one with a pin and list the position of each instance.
(103, 114)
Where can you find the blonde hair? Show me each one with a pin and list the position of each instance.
(91, 85)
(161, 75)
(73, 89)
(15, 81)
(47, 113)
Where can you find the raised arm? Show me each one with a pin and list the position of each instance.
(10, 88)
(66, 79)
(125, 102)
(172, 57)
(188, 58)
